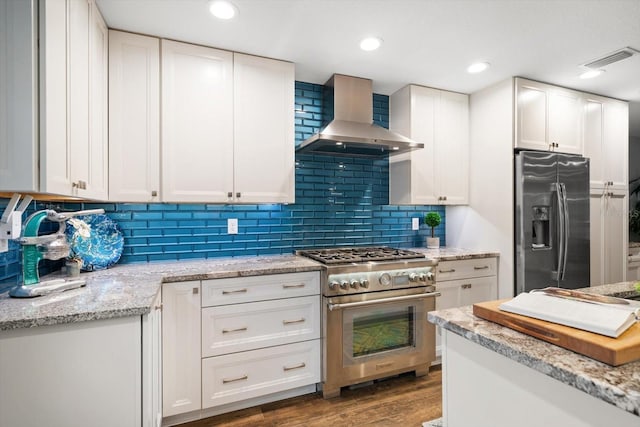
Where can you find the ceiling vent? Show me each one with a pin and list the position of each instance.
(609, 59)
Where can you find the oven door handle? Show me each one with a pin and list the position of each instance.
(381, 301)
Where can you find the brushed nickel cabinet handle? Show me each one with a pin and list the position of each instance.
(232, 380)
(290, 368)
(237, 291)
(301, 285)
(228, 331)
(289, 322)
(452, 270)
(481, 268)
(466, 286)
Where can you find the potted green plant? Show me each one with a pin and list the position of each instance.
(432, 219)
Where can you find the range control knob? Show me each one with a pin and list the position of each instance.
(354, 283)
(334, 284)
(364, 283)
(385, 279)
(422, 277)
(344, 285)
(430, 276)
(413, 277)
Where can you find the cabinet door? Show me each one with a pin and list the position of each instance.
(134, 117)
(593, 146)
(615, 230)
(565, 120)
(531, 115)
(616, 143)
(197, 123)
(78, 86)
(452, 148)
(98, 152)
(18, 96)
(264, 170)
(609, 226)
(55, 161)
(596, 238)
(181, 362)
(478, 290)
(412, 176)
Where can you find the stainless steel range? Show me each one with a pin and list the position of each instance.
(375, 304)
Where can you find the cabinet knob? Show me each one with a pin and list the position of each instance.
(466, 286)
(158, 307)
(196, 290)
(154, 193)
(238, 195)
(230, 194)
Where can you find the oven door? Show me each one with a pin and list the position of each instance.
(377, 334)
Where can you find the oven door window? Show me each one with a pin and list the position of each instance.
(381, 330)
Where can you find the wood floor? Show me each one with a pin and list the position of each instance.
(403, 401)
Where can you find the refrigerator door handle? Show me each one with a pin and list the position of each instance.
(565, 208)
(561, 231)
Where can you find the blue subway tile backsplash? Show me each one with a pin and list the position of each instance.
(340, 201)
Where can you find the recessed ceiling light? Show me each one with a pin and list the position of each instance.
(370, 43)
(591, 74)
(478, 67)
(222, 9)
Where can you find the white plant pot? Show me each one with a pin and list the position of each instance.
(433, 242)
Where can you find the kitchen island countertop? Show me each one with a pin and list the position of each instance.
(129, 290)
(619, 386)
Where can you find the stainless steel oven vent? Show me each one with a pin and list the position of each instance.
(609, 59)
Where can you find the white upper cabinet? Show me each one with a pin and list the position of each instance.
(548, 117)
(97, 156)
(264, 163)
(438, 173)
(60, 80)
(606, 141)
(227, 126)
(134, 117)
(197, 123)
(18, 96)
(73, 109)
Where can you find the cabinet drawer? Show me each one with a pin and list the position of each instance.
(250, 374)
(479, 267)
(258, 288)
(239, 327)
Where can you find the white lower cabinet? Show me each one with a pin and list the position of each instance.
(609, 236)
(237, 342)
(180, 347)
(73, 375)
(240, 376)
(465, 282)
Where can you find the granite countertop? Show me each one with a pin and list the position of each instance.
(453, 254)
(619, 386)
(129, 290)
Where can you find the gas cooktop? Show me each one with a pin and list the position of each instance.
(333, 256)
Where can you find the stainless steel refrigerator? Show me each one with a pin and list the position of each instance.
(551, 220)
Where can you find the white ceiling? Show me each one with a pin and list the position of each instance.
(427, 42)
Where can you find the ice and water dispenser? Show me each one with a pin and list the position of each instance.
(540, 227)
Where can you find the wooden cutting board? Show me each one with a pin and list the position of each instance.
(613, 351)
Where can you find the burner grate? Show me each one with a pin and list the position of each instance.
(359, 255)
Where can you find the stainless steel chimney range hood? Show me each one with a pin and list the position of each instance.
(348, 128)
